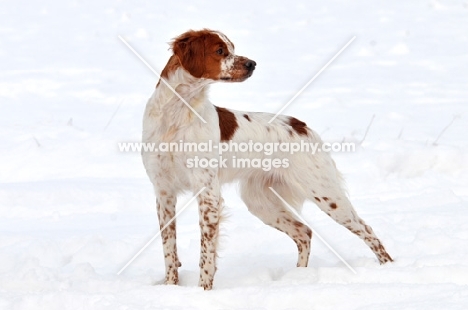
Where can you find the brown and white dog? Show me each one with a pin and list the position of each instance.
(199, 59)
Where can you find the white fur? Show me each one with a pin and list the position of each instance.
(227, 65)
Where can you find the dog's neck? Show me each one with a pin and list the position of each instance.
(166, 112)
(175, 78)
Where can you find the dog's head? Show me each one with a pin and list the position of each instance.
(210, 55)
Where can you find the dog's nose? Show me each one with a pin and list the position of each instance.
(250, 64)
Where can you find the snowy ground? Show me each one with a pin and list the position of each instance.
(73, 210)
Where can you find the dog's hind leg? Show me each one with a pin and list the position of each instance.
(339, 208)
(269, 208)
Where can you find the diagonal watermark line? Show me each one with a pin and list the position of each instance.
(315, 76)
(162, 79)
(160, 231)
(313, 230)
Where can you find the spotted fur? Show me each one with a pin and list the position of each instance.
(201, 58)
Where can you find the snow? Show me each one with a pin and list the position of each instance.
(74, 210)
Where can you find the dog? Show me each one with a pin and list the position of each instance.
(201, 58)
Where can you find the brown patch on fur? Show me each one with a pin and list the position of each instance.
(247, 117)
(325, 198)
(318, 199)
(333, 205)
(298, 224)
(227, 123)
(171, 66)
(196, 51)
(201, 52)
(298, 126)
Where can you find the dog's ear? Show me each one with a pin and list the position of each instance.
(190, 50)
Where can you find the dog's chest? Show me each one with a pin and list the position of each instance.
(176, 137)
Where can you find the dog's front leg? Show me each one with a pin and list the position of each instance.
(165, 205)
(209, 202)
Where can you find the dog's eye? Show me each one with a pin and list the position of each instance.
(220, 51)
